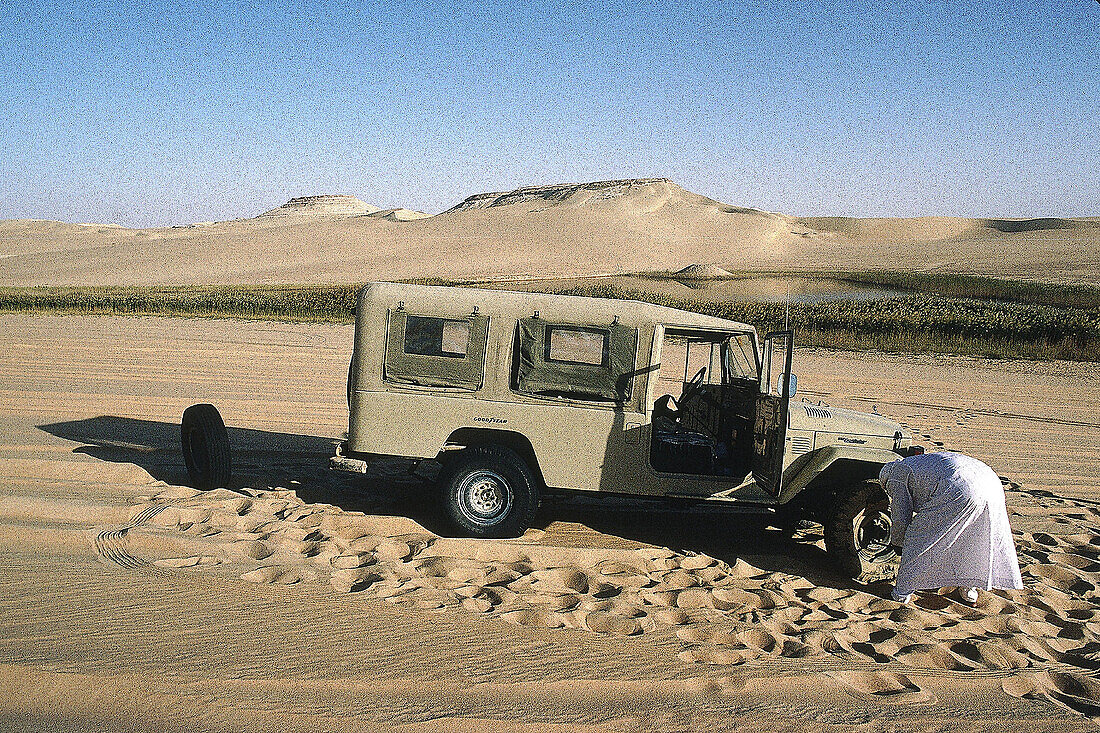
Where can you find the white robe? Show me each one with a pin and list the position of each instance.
(948, 514)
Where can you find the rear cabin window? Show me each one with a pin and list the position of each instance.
(427, 336)
(575, 362)
(577, 345)
(430, 351)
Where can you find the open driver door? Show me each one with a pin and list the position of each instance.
(772, 404)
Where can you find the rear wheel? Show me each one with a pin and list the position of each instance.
(489, 491)
(857, 533)
(205, 444)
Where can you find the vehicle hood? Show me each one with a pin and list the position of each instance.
(823, 418)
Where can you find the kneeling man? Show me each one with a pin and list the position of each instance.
(950, 525)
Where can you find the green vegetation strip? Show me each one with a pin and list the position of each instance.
(322, 303)
(912, 323)
(944, 313)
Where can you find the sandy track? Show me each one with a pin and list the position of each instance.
(90, 408)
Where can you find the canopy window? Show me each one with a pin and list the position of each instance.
(430, 351)
(580, 362)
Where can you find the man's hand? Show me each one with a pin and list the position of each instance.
(886, 553)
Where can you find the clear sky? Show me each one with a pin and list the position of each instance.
(149, 113)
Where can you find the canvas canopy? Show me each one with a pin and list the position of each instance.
(585, 362)
(436, 352)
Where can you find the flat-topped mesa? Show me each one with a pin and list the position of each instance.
(554, 192)
(324, 205)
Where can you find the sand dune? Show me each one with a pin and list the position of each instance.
(557, 230)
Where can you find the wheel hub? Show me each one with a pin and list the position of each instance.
(873, 531)
(484, 496)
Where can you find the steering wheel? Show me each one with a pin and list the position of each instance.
(693, 384)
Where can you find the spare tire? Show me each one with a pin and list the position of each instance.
(205, 444)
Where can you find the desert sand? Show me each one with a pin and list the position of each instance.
(605, 227)
(297, 599)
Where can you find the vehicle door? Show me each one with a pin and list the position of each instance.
(772, 405)
(686, 448)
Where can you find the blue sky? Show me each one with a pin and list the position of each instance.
(147, 113)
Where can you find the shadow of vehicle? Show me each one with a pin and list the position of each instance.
(260, 459)
(713, 530)
(300, 462)
(155, 447)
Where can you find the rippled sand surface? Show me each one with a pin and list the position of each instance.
(300, 600)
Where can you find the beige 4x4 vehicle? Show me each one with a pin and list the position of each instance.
(517, 394)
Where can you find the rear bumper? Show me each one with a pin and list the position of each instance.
(341, 462)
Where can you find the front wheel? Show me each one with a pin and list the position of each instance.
(489, 491)
(857, 533)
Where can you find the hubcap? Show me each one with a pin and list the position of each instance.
(484, 497)
(872, 531)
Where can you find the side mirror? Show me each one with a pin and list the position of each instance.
(789, 388)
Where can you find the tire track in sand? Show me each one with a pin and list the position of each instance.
(111, 544)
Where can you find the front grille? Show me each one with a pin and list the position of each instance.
(818, 412)
(801, 444)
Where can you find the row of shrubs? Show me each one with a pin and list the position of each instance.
(919, 322)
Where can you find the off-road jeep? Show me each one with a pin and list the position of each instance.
(517, 394)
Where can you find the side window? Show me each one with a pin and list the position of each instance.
(431, 351)
(430, 336)
(569, 345)
(577, 362)
(742, 357)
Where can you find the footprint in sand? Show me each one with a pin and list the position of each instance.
(671, 616)
(715, 655)
(560, 580)
(276, 575)
(760, 640)
(1078, 692)
(933, 656)
(602, 622)
(351, 580)
(534, 618)
(1079, 562)
(353, 559)
(998, 654)
(187, 562)
(882, 687)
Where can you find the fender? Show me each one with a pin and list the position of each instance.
(801, 473)
(467, 436)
